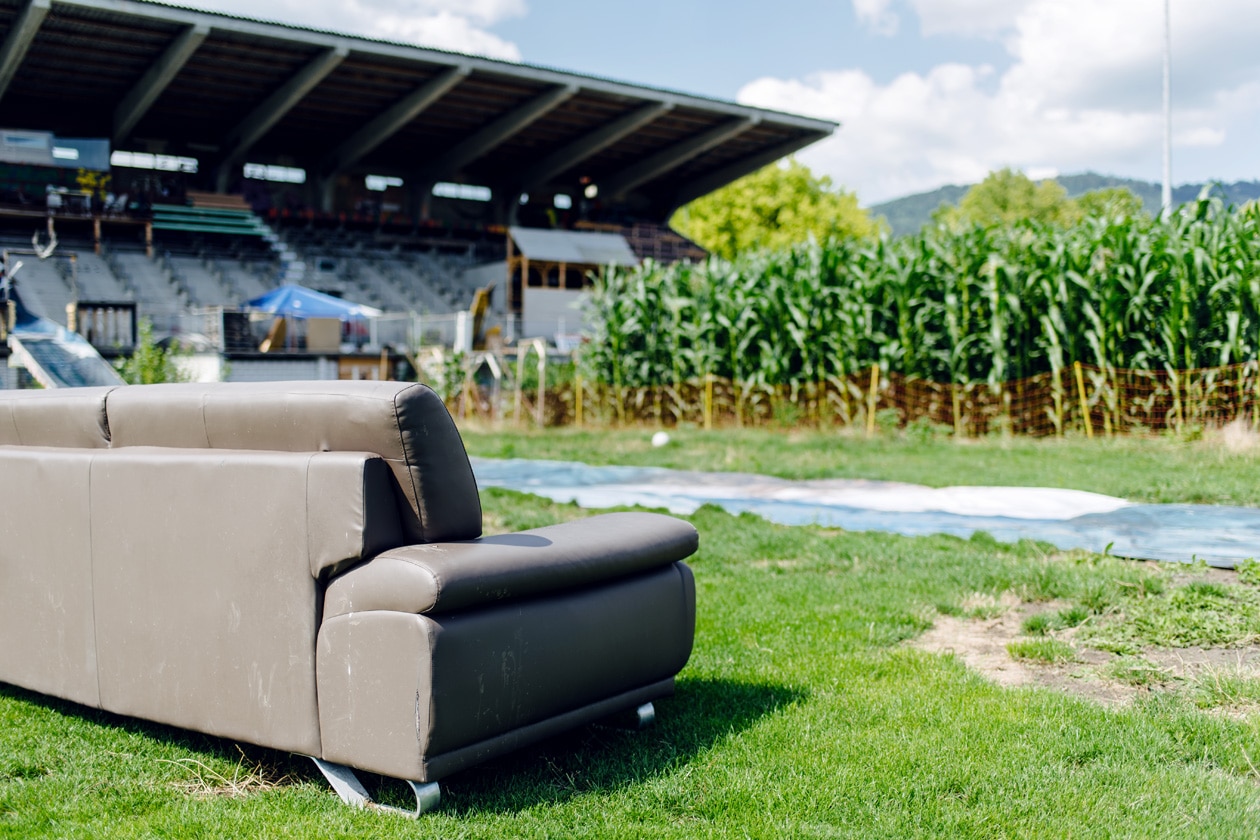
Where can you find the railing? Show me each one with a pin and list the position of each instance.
(108, 325)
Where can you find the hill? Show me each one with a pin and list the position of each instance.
(907, 215)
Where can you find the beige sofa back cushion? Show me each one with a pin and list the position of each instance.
(406, 424)
(72, 417)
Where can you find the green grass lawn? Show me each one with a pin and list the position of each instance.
(803, 712)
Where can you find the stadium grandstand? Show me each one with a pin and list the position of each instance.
(184, 163)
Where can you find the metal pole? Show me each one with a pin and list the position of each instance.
(1166, 194)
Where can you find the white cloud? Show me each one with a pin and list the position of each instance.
(878, 15)
(449, 32)
(1199, 137)
(457, 25)
(973, 18)
(1083, 91)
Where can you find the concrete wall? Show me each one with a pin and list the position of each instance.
(275, 370)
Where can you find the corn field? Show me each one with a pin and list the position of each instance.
(1127, 323)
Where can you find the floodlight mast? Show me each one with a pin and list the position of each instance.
(1166, 193)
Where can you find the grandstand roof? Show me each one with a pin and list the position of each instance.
(579, 247)
(172, 80)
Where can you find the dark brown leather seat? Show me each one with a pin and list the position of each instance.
(300, 565)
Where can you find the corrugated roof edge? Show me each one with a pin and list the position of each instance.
(566, 76)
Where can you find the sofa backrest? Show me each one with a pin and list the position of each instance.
(182, 585)
(405, 424)
(73, 417)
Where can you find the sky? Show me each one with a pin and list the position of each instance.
(928, 92)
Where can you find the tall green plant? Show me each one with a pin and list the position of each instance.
(150, 364)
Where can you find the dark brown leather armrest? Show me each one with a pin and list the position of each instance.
(444, 577)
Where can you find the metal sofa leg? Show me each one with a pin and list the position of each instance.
(347, 785)
(632, 719)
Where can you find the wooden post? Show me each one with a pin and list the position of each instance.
(577, 400)
(1174, 379)
(96, 234)
(539, 409)
(1255, 405)
(708, 401)
(1080, 387)
(871, 400)
(957, 403)
(382, 372)
(468, 389)
(521, 350)
(148, 239)
(1058, 402)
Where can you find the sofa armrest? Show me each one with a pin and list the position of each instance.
(443, 577)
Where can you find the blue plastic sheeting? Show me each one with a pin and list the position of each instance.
(1221, 536)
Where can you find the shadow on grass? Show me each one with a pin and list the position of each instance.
(592, 759)
(700, 714)
(272, 765)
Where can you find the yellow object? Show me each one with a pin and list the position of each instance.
(1080, 386)
(871, 400)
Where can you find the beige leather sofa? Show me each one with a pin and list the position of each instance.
(300, 565)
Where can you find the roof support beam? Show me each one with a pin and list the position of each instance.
(658, 164)
(146, 91)
(591, 144)
(708, 183)
(19, 40)
(497, 131)
(241, 139)
(390, 122)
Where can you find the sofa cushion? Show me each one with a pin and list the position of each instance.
(406, 424)
(71, 417)
(447, 577)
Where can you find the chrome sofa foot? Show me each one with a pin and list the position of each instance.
(632, 719)
(347, 785)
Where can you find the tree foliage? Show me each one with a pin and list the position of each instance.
(1114, 203)
(149, 363)
(777, 206)
(1007, 197)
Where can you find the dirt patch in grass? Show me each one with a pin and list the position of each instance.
(985, 645)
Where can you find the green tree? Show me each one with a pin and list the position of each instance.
(779, 205)
(1006, 196)
(1111, 203)
(149, 363)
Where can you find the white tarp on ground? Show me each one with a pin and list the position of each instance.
(1221, 536)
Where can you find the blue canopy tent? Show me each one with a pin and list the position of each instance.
(294, 301)
(298, 303)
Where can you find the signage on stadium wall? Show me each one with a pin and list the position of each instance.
(42, 148)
